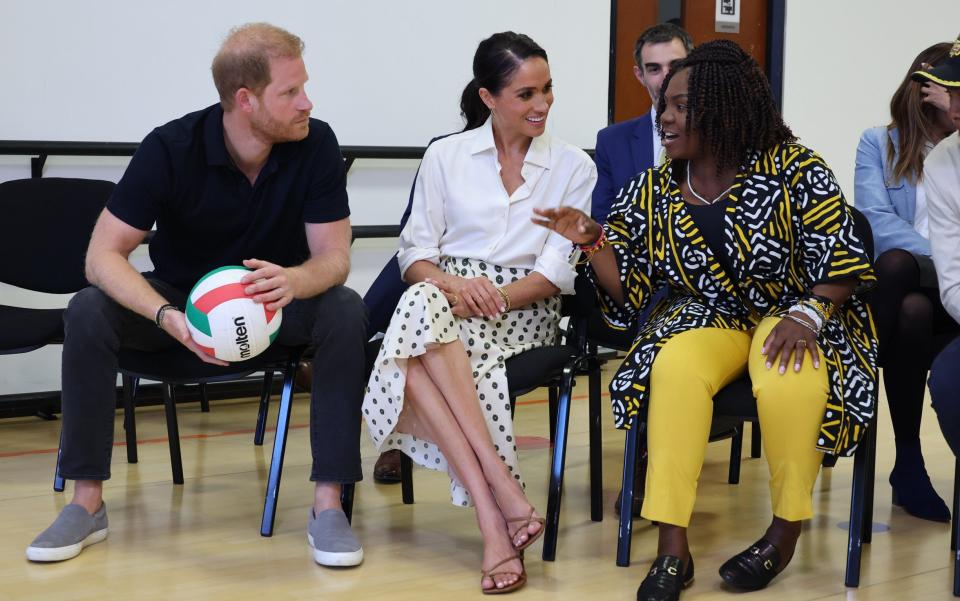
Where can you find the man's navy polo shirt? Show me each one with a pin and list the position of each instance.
(206, 212)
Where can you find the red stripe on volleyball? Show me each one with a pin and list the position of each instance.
(268, 313)
(218, 295)
(208, 350)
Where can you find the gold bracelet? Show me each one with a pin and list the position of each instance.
(506, 299)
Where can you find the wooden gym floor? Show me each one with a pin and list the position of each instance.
(201, 540)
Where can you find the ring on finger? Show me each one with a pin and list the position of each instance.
(454, 300)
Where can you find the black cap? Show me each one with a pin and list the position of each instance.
(947, 73)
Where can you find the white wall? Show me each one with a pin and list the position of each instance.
(383, 72)
(843, 61)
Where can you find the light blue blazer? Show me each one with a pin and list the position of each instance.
(888, 203)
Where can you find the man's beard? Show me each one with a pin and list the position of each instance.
(276, 131)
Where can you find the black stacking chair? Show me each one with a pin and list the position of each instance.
(553, 367)
(735, 405)
(178, 366)
(44, 231)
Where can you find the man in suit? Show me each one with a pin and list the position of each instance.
(630, 147)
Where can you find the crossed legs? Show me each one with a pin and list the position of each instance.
(441, 406)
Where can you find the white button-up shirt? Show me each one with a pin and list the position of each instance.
(461, 208)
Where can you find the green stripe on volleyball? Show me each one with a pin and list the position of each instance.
(224, 321)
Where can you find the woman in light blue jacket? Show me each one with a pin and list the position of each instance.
(909, 317)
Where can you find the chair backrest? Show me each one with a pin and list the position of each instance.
(45, 226)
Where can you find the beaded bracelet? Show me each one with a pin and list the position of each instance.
(822, 304)
(589, 250)
(599, 243)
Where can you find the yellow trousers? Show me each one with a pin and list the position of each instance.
(688, 371)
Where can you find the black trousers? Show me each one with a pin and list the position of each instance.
(97, 327)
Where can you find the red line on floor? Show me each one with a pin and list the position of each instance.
(165, 439)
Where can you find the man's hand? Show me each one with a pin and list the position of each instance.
(269, 283)
(175, 324)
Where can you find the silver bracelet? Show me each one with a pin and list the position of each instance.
(810, 312)
(803, 323)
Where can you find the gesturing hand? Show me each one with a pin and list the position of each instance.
(175, 324)
(573, 224)
(790, 338)
(269, 283)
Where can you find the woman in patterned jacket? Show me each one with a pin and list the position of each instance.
(754, 240)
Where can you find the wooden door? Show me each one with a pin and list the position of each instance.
(630, 99)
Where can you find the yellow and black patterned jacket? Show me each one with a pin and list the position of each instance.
(787, 228)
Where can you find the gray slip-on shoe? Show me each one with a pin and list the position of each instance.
(73, 530)
(332, 540)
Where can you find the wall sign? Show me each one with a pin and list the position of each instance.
(728, 16)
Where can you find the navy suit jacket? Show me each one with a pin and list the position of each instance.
(623, 150)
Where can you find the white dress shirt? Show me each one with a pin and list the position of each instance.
(461, 208)
(941, 176)
(921, 216)
(658, 154)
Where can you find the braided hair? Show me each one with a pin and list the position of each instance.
(729, 103)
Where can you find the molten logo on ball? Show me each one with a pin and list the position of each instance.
(224, 321)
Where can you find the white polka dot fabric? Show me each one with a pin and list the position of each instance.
(423, 319)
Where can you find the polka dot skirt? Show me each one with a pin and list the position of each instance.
(422, 320)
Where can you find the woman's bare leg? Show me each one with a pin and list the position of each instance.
(449, 369)
(428, 415)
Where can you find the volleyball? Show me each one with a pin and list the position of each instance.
(224, 321)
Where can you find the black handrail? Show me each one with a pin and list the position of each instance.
(39, 150)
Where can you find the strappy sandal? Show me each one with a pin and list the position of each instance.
(490, 573)
(525, 525)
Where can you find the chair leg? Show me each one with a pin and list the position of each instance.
(130, 416)
(406, 479)
(279, 448)
(755, 447)
(736, 449)
(264, 408)
(173, 433)
(955, 529)
(346, 500)
(204, 399)
(955, 523)
(596, 448)
(625, 532)
(857, 506)
(58, 482)
(552, 396)
(869, 485)
(555, 488)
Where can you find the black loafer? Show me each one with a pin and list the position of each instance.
(666, 579)
(754, 568)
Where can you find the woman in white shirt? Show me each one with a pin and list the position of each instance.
(484, 286)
